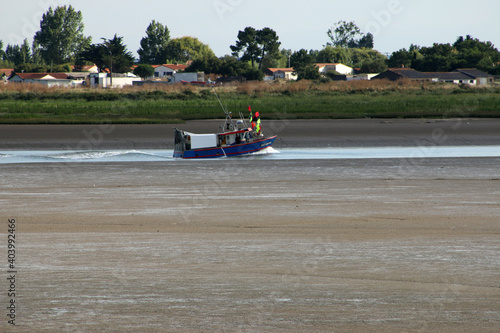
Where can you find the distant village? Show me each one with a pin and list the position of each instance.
(90, 76)
(256, 55)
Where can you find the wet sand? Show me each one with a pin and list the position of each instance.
(291, 133)
(240, 245)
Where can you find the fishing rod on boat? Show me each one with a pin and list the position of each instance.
(222, 106)
(228, 114)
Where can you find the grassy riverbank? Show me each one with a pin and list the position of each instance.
(32, 104)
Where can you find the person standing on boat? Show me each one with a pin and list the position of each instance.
(255, 120)
(250, 119)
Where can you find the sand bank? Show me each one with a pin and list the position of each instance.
(261, 246)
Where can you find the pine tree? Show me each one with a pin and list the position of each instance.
(154, 46)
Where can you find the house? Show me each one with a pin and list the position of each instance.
(115, 80)
(47, 79)
(480, 77)
(167, 70)
(280, 73)
(362, 76)
(85, 68)
(450, 77)
(339, 68)
(187, 77)
(470, 76)
(6, 72)
(394, 74)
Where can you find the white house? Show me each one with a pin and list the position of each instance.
(103, 80)
(280, 73)
(85, 68)
(187, 77)
(340, 68)
(47, 79)
(167, 70)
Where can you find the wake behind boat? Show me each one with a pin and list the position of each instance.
(234, 139)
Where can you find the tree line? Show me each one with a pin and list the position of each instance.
(61, 42)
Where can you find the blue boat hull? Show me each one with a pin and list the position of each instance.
(233, 150)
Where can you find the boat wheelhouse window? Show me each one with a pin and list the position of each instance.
(222, 140)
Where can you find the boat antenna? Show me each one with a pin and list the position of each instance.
(228, 114)
(222, 106)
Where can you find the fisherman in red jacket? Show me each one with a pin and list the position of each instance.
(255, 121)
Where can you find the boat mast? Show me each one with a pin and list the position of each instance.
(228, 115)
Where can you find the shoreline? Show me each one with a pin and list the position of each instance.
(291, 133)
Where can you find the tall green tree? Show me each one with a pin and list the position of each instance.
(206, 64)
(256, 45)
(471, 52)
(349, 35)
(13, 54)
(2, 52)
(404, 57)
(466, 52)
(97, 54)
(366, 41)
(25, 52)
(187, 48)
(154, 46)
(18, 54)
(227, 66)
(269, 43)
(61, 35)
(361, 56)
(301, 58)
(284, 61)
(120, 58)
(247, 45)
(230, 66)
(303, 64)
(111, 54)
(336, 54)
(436, 58)
(37, 53)
(373, 66)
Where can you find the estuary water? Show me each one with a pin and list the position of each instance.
(155, 155)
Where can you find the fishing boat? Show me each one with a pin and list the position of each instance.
(235, 138)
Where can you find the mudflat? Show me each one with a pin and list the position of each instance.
(291, 133)
(250, 245)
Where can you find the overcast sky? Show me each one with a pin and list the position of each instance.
(299, 24)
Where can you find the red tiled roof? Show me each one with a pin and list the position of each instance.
(280, 69)
(6, 71)
(175, 67)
